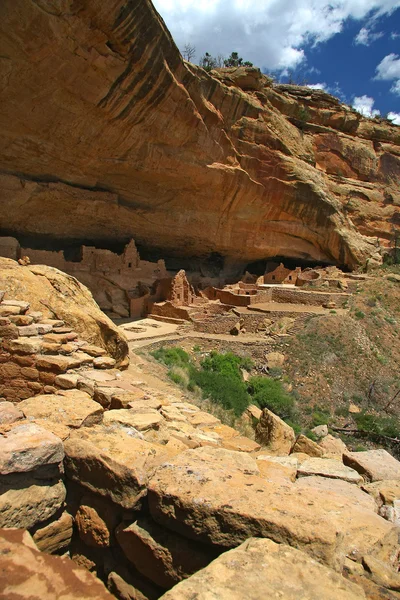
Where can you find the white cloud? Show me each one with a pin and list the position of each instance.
(366, 37)
(395, 89)
(388, 68)
(270, 33)
(394, 35)
(394, 117)
(364, 105)
(318, 86)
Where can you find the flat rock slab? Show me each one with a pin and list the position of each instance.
(241, 444)
(71, 408)
(148, 403)
(100, 376)
(111, 462)
(122, 398)
(200, 418)
(333, 447)
(56, 363)
(337, 486)
(28, 573)
(104, 362)
(373, 465)
(25, 345)
(328, 467)
(27, 447)
(218, 497)
(260, 569)
(141, 421)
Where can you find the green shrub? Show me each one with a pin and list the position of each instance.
(319, 417)
(342, 411)
(227, 364)
(227, 390)
(311, 435)
(275, 372)
(388, 426)
(179, 375)
(359, 314)
(270, 393)
(172, 356)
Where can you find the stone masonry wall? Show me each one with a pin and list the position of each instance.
(294, 296)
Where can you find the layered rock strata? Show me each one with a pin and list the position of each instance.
(124, 139)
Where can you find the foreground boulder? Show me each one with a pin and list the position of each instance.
(28, 573)
(111, 462)
(61, 296)
(219, 497)
(274, 434)
(260, 569)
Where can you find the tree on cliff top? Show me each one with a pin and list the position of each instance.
(189, 52)
(234, 60)
(209, 62)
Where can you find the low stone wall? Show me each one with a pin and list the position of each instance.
(232, 299)
(295, 296)
(35, 351)
(262, 296)
(217, 324)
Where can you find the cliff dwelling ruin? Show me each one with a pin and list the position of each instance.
(125, 286)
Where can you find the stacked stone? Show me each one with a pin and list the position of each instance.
(34, 350)
(32, 491)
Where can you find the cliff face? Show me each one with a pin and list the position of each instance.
(107, 134)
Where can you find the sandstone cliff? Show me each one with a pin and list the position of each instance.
(107, 134)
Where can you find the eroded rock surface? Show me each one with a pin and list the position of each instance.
(254, 570)
(244, 168)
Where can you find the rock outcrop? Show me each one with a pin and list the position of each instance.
(124, 139)
(58, 296)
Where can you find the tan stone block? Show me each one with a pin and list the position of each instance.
(260, 569)
(140, 421)
(57, 364)
(9, 413)
(274, 434)
(374, 465)
(28, 447)
(241, 444)
(218, 497)
(96, 520)
(328, 467)
(306, 446)
(56, 535)
(71, 408)
(25, 345)
(47, 378)
(25, 360)
(111, 463)
(30, 504)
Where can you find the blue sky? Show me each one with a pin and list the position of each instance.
(351, 48)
